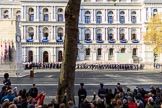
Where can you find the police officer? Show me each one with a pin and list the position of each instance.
(82, 93)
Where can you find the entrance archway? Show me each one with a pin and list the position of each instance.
(30, 56)
(45, 56)
(60, 56)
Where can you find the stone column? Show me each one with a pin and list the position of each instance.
(51, 14)
(37, 9)
(37, 55)
(92, 16)
(0, 13)
(12, 13)
(54, 33)
(37, 33)
(105, 35)
(54, 15)
(106, 14)
(54, 54)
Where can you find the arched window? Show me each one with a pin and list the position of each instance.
(31, 14)
(87, 17)
(110, 34)
(155, 11)
(30, 56)
(133, 17)
(122, 17)
(122, 50)
(99, 17)
(110, 17)
(18, 16)
(60, 35)
(45, 14)
(6, 14)
(87, 51)
(87, 34)
(99, 51)
(30, 34)
(122, 34)
(60, 15)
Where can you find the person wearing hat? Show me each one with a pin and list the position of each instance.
(82, 94)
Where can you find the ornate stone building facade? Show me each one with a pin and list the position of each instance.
(107, 32)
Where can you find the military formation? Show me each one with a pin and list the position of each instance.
(91, 66)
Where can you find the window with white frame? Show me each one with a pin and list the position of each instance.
(30, 33)
(122, 34)
(87, 34)
(133, 17)
(87, 17)
(45, 33)
(110, 34)
(45, 14)
(110, 17)
(60, 15)
(6, 14)
(87, 51)
(155, 11)
(60, 33)
(99, 35)
(31, 14)
(122, 17)
(133, 34)
(18, 16)
(99, 51)
(99, 17)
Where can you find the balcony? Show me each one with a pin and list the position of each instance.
(59, 40)
(99, 41)
(88, 41)
(45, 40)
(135, 41)
(112, 41)
(29, 40)
(123, 41)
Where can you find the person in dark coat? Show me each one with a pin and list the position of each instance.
(33, 92)
(82, 94)
(102, 92)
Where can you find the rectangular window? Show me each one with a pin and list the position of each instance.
(110, 19)
(60, 18)
(98, 20)
(99, 51)
(31, 18)
(87, 19)
(87, 51)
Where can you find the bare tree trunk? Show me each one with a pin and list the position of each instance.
(67, 73)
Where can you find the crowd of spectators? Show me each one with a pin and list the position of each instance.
(104, 98)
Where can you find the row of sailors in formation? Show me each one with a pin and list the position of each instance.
(114, 66)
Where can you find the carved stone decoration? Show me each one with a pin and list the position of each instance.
(105, 48)
(94, 48)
